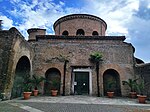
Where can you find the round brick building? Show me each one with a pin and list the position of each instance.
(80, 24)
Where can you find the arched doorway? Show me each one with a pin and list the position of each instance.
(111, 76)
(52, 74)
(22, 71)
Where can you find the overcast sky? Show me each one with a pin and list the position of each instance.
(123, 17)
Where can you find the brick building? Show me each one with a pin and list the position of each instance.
(65, 57)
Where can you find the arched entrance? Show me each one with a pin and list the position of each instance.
(111, 80)
(52, 74)
(22, 71)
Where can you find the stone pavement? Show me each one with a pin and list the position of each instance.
(77, 104)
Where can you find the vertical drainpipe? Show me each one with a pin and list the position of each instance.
(64, 79)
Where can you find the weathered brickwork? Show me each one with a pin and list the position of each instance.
(13, 47)
(5, 48)
(77, 51)
(68, 55)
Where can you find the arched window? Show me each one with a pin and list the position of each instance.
(80, 32)
(65, 33)
(95, 33)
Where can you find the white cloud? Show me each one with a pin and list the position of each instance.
(7, 22)
(116, 14)
(15, 1)
(148, 6)
(61, 3)
(38, 14)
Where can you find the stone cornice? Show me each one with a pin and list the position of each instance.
(56, 37)
(34, 30)
(81, 16)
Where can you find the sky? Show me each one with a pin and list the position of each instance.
(130, 18)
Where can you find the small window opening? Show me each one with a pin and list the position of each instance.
(80, 32)
(65, 33)
(95, 33)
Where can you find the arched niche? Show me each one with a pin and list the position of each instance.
(111, 76)
(52, 74)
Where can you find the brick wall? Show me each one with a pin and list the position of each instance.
(116, 55)
(5, 49)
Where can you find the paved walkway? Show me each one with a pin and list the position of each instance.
(78, 104)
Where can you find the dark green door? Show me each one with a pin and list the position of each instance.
(81, 83)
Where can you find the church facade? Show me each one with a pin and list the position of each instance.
(65, 57)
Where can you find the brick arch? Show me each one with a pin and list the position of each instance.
(52, 74)
(22, 71)
(111, 76)
(114, 67)
(21, 57)
(18, 47)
